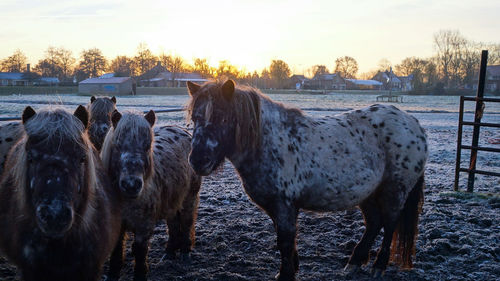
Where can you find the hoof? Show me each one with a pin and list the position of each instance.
(280, 277)
(110, 278)
(169, 255)
(377, 272)
(351, 268)
(185, 257)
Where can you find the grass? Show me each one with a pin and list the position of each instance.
(474, 196)
(32, 90)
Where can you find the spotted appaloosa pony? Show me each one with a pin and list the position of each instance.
(150, 168)
(59, 216)
(10, 133)
(100, 110)
(373, 158)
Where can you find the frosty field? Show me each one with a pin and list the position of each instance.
(459, 233)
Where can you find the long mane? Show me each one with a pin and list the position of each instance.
(245, 108)
(53, 126)
(131, 123)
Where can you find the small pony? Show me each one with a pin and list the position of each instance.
(100, 118)
(373, 158)
(59, 216)
(151, 171)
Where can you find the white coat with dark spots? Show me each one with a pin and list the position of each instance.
(373, 158)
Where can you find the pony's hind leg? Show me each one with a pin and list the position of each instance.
(373, 224)
(390, 205)
(285, 221)
(400, 220)
(174, 227)
(186, 219)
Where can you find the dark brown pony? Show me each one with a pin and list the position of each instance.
(373, 158)
(59, 217)
(149, 167)
(100, 109)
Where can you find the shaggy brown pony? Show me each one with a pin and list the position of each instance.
(100, 109)
(150, 168)
(59, 217)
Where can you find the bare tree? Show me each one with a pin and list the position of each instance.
(122, 66)
(92, 64)
(14, 63)
(67, 62)
(201, 66)
(448, 44)
(346, 66)
(279, 72)
(319, 70)
(144, 60)
(384, 65)
(227, 70)
(57, 62)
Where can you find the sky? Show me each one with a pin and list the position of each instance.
(247, 33)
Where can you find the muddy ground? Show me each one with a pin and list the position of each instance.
(459, 233)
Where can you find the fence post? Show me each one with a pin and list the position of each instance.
(477, 119)
(459, 142)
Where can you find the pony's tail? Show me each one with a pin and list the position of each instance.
(403, 241)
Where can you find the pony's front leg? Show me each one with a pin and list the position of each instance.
(140, 249)
(285, 221)
(116, 260)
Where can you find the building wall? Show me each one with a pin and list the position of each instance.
(124, 88)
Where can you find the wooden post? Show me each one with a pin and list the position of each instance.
(459, 142)
(477, 119)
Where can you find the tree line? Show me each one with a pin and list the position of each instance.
(453, 65)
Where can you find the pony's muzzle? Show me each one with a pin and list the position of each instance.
(54, 218)
(201, 164)
(131, 186)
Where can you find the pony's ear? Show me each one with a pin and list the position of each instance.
(113, 99)
(115, 117)
(92, 99)
(192, 88)
(83, 115)
(228, 89)
(151, 117)
(28, 113)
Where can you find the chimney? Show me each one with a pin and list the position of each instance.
(158, 63)
(28, 67)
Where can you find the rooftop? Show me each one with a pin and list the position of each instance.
(365, 82)
(112, 80)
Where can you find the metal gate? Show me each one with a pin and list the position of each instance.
(477, 124)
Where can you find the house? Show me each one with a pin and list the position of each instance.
(171, 79)
(389, 80)
(13, 79)
(147, 77)
(406, 83)
(327, 81)
(355, 84)
(47, 81)
(298, 81)
(107, 86)
(492, 79)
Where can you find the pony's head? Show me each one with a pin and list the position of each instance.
(226, 121)
(100, 118)
(127, 151)
(58, 167)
